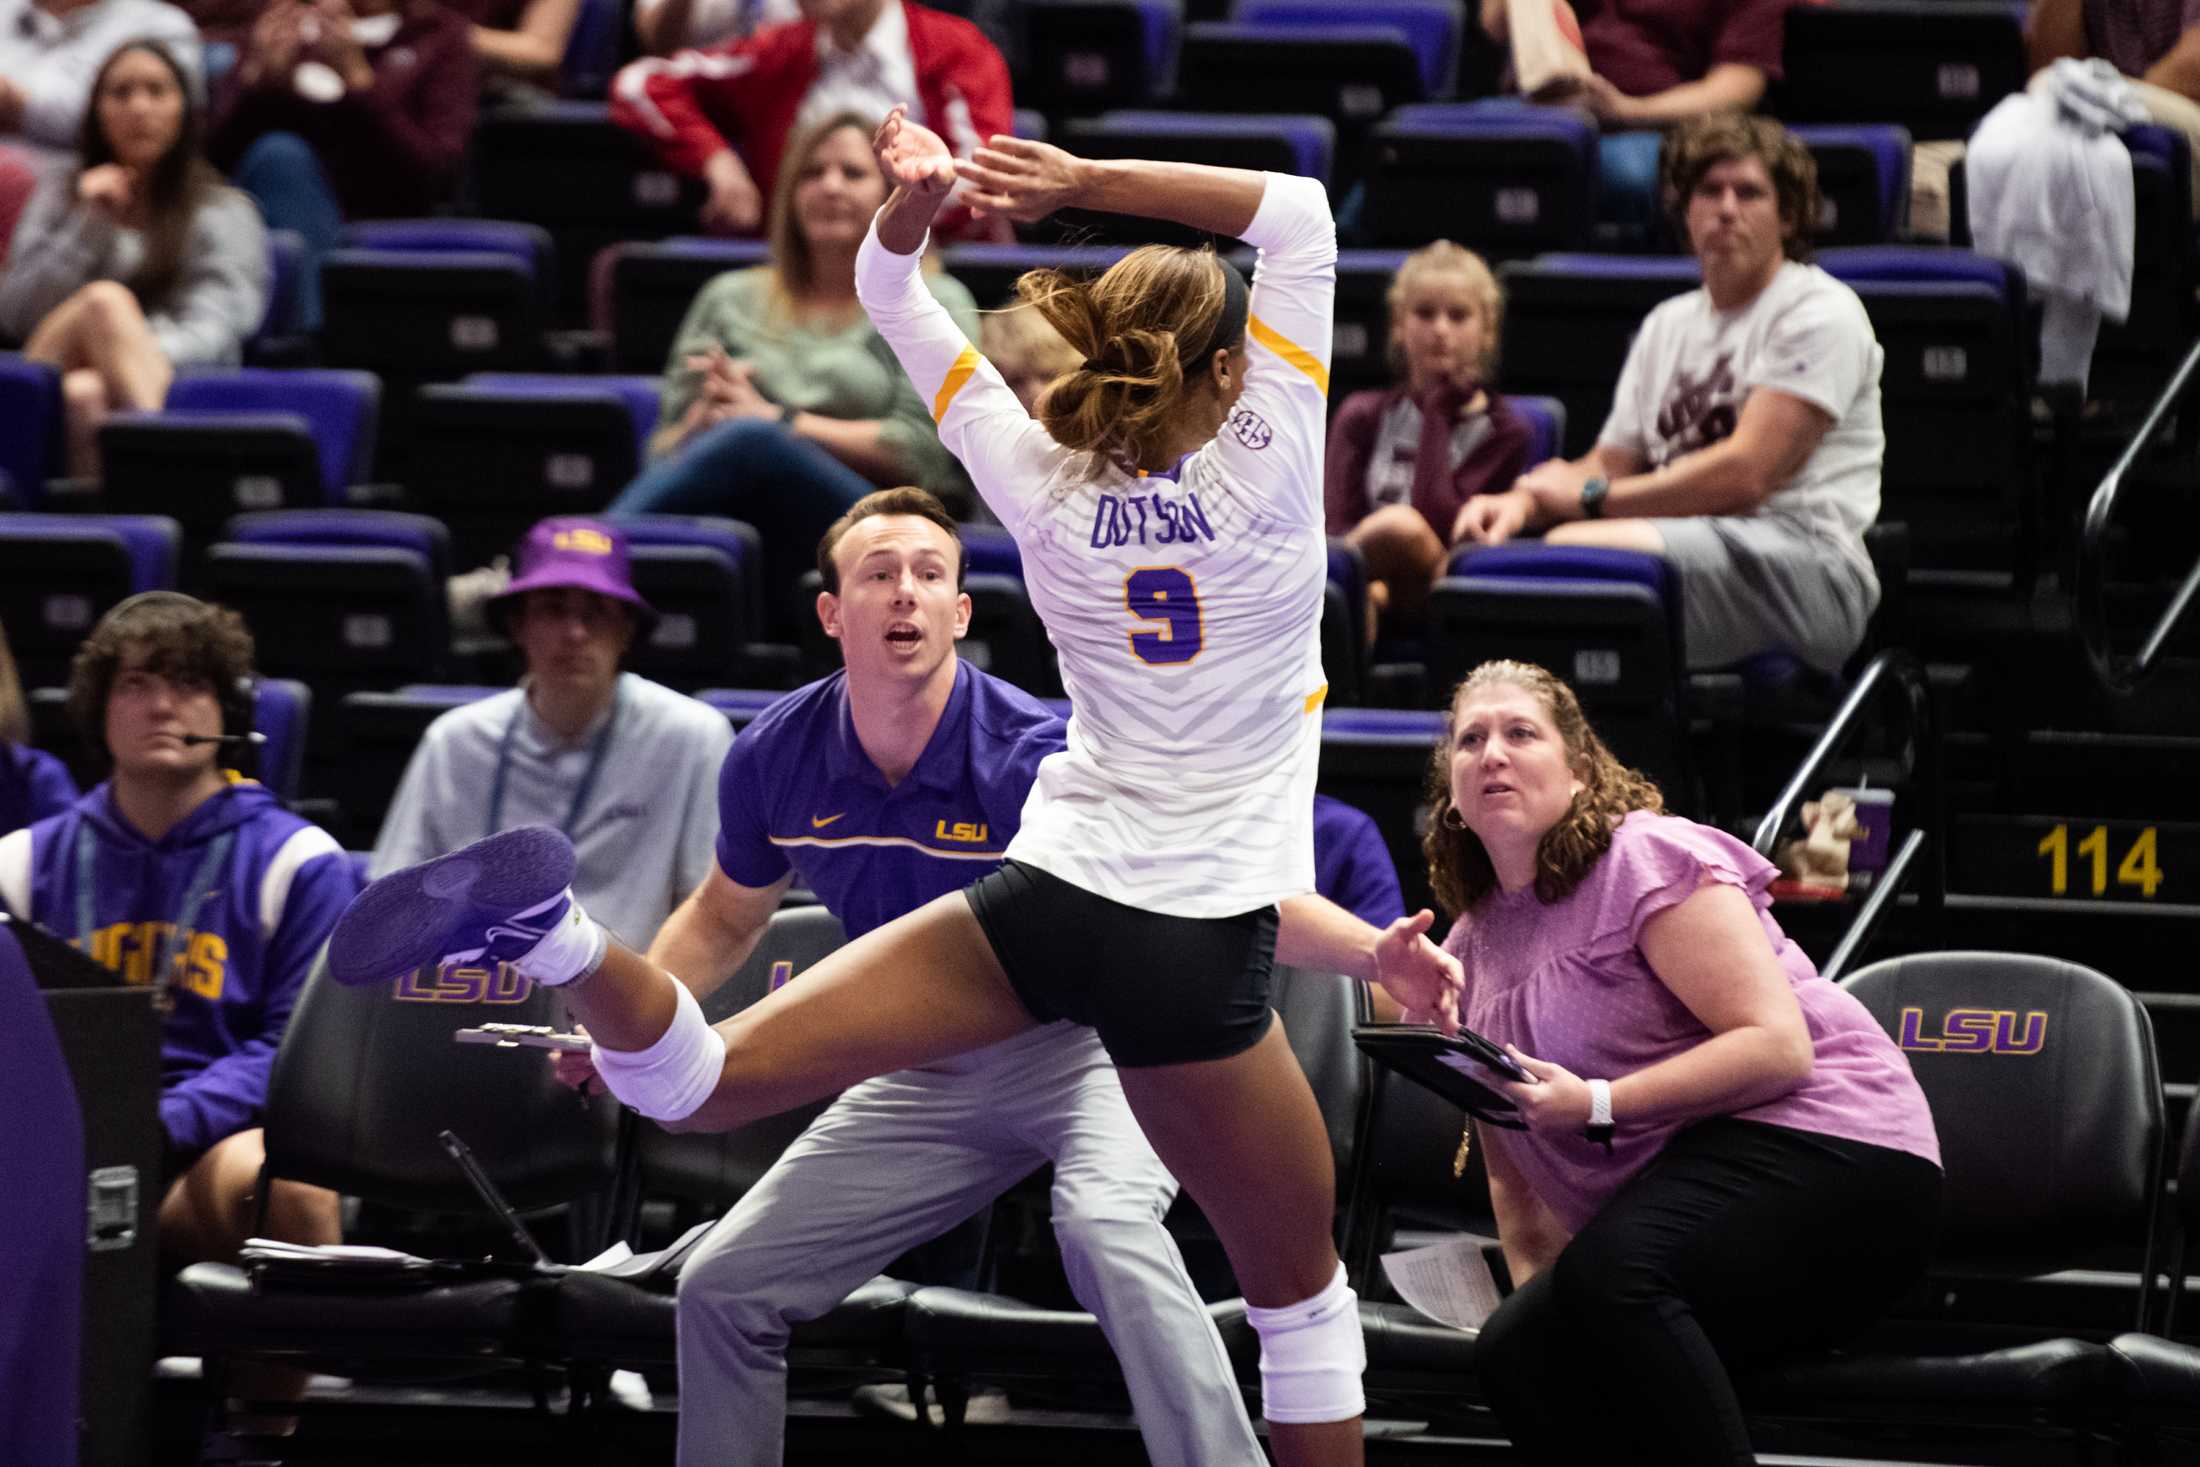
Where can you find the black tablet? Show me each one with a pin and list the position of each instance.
(1459, 1067)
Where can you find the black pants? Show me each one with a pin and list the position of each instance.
(1740, 1243)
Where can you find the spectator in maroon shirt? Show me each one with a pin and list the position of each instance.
(1404, 460)
(1655, 63)
(338, 111)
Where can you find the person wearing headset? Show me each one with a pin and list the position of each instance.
(178, 873)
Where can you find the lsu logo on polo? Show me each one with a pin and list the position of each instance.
(962, 832)
(499, 985)
(582, 538)
(1975, 1031)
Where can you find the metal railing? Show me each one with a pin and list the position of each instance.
(1923, 853)
(2123, 675)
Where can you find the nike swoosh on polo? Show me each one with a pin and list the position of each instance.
(820, 822)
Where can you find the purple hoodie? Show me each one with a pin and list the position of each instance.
(265, 887)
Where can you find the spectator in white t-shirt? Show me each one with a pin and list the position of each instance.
(1744, 443)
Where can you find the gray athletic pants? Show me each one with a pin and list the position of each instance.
(902, 1158)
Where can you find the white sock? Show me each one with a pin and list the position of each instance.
(573, 949)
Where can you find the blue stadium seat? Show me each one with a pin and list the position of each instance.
(1506, 181)
(740, 705)
(1344, 624)
(282, 713)
(498, 451)
(1302, 144)
(1431, 28)
(641, 292)
(336, 616)
(284, 321)
(1351, 73)
(1568, 321)
(991, 550)
(1085, 55)
(1607, 621)
(1546, 418)
(425, 299)
(387, 528)
(989, 271)
(703, 577)
(1863, 182)
(30, 427)
(1953, 325)
(1934, 67)
(1377, 759)
(246, 439)
(592, 184)
(378, 733)
(60, 573)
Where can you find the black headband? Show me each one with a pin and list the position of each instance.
(1229, 326)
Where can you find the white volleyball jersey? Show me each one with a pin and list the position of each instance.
(1185, 607)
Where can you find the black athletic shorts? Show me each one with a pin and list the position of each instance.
(1158, 990)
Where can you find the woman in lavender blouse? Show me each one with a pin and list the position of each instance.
(1725, 1158)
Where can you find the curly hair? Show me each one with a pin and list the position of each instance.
(184, 639)
(1692, 148)
(1444, 258)
(1133, 326)
(1459, 869)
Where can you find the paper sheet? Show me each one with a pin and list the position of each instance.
(1450, 1282)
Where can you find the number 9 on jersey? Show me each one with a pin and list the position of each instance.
(1168, 595)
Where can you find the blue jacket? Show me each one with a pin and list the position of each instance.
(266, 887)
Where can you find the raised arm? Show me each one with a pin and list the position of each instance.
(1019, 179)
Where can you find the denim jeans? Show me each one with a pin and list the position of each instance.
(284, 176)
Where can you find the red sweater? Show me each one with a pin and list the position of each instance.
(744, 94)
(1438, 489)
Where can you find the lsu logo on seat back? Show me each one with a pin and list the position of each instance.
(1975, 1031)
(499, 985)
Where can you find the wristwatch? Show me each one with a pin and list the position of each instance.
(1592, 497)
(786, 415)
(1599, 1129)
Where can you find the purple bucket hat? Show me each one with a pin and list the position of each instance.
(577, 553)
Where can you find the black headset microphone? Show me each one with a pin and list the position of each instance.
(192, 740)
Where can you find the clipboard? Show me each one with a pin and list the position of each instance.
(1459, 1067)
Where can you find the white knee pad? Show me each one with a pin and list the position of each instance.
(1312, 1357)
(674, 1076)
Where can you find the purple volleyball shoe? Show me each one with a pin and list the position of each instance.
(486, 903)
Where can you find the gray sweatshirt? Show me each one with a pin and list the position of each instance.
(646, 835)
(219, 297)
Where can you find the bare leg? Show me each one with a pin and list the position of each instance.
(209, 1211)
(921, 988)
(119, 344)
(1610, 534)
(100, 341)
(53, 340)
(83, 409)
(207, 1214)
(1403, 556)
(1246, 1139)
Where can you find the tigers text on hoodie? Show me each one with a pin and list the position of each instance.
(234, 902)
